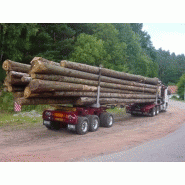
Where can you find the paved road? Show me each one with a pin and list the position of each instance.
(167, 149)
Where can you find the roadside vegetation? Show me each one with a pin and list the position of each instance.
(30, 115)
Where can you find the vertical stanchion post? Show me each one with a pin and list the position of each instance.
(97, 105)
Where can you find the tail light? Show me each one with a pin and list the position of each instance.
(47, 115)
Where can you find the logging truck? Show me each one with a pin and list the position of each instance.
(84, 119)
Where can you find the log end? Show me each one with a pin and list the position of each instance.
(63, 63)
(27, 92)
(10, 88)
(37, 66)
(6, 65)
(33, 75)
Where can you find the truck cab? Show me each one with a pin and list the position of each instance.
(151, 109)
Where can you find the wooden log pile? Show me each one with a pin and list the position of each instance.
(48, 82)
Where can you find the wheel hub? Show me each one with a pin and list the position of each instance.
(95, 123)
(84, 126)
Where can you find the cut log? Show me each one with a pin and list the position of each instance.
(43, 85)
(9, 65)
(26, 79)
(90, 94)
(40, 67)
(89, 82)
(15, 88)
(108, 72)
(44, 60)
(14, 81)
(79, 66)
(93, 83)
(47, 101)
(90, 101)
(17, 74)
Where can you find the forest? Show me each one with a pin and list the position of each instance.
(118, 46)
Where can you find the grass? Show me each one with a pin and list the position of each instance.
(8, 120)
(117, 110)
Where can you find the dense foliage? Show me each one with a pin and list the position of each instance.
(122, 47)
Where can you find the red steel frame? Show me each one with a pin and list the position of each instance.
(67, 115)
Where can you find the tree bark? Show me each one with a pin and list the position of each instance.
(26, 79)
(15, 88)
(14, 81)
(44, 60)
(77, 81)
(90, 82)
(9, 65)
(37, 101)
(89, 101)
(88, 94)
(43, 85)
(16, 74)
(108, 72)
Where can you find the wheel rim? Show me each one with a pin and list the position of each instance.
(154, 112)
(95, 124)
(110, 120)
(84, 126)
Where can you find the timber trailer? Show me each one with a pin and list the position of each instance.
(89, 118)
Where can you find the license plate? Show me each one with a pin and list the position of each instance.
(71, 126)
(46, 122)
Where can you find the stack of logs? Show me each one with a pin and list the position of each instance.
(48, 82)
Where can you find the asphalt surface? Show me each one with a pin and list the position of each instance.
(167, 149)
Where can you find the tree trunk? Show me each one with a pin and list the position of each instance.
(89, 82)
(9, 65)
(15, 88)
(88, 94)
(38, 101)
(44, 60)
(14, 81)
(103, 101)
(43, 85)
(108, 72)
(26, 79)
(16, 74)
(93, 83)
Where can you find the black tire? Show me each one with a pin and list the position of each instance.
(83, 125)
(134, 114)
(152, 112)
(48, 127)
(106, 119)
(94, 122)
(53, 126)
(157, 110)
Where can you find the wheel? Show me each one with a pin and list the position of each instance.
(153, 112)
(133, 114)
(94, 122)
(165, 109)
(48, 127)
(53, 126)
(157, 110)
(83, 125)
(106, 119)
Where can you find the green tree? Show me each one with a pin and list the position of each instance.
(90, 50)
(15, 42)
(181, 86)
